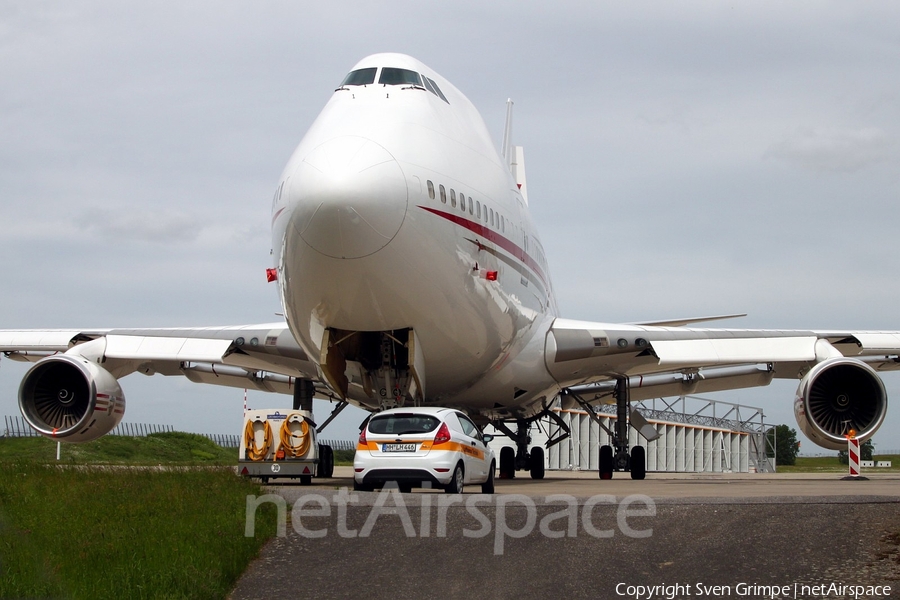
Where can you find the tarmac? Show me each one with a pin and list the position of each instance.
(686, 535)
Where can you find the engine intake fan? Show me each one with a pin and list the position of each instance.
(68, 398)
(837, 395)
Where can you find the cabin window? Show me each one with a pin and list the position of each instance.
(443, 195)
(471, 206)
(360, 77)
(492, 217)
(452, 198)
(430, 190)
(477, 209)
(394, 76)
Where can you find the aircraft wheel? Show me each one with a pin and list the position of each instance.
(488, 486)
(606, 462)
(638, 462)
(306, 480)
(507, 463)
(536, 463)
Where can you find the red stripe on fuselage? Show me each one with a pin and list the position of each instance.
(492, 236)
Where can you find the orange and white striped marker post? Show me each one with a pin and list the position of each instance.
(853, 453)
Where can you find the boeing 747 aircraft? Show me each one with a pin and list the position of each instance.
(411, 273)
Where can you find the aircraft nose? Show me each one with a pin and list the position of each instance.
(351, 197)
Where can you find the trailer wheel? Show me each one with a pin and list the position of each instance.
(326, 461)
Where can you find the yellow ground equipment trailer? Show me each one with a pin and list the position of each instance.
(281, 443)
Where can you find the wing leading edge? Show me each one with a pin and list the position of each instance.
(264, 357)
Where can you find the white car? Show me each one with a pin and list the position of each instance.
(421, 446)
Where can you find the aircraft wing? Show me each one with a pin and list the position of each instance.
(264, 356)
(670, 361)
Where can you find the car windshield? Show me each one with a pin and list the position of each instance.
(403, 423)
(360, 77)
(394, 76)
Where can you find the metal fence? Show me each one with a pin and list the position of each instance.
(17, 427)
(139, 429)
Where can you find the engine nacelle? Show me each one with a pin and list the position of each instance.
(836, 395)
(67, 397)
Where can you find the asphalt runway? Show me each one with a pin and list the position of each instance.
(572, 535)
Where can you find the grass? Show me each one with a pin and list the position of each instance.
(344, 458)
(89, 532)
(168, 448)
(830, 464)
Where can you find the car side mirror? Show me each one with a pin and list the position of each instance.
(488, 438)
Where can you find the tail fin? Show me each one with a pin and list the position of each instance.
(506, 146)
(514, 155)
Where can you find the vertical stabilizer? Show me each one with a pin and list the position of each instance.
(506, 146)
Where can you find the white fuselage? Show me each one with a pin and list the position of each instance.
(371, 233)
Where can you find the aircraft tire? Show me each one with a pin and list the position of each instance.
(488, 486)
(507, 463)
(638, 462)
(536, 463)
(606, 462)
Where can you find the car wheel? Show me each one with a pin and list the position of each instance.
(488, 486)
(537, 463)
(405, 488)
(361, 487)
(507, 463)
(456, 482)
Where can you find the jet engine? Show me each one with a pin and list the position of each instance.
(837, 395)
(67, 397)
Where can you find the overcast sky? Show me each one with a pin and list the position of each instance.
(683, 159)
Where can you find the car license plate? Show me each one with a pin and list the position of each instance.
(399, 447)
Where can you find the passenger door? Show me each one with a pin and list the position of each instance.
(476, 454)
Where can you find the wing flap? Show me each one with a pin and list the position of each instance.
(45, 340)
(879, 342)
(725, 351)
(127, 347)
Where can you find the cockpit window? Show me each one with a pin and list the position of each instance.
(360, 77)
(394, 76)
(430, 83)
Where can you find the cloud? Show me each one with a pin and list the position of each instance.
(142, 225)
(832, 149)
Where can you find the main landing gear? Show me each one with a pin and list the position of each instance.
(520, 459)
(617, 457)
